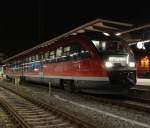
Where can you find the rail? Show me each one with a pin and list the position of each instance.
(20, 121)
(80, 123)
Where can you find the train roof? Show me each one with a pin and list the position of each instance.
(98, 25)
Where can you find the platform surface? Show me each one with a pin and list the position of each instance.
(143, 81)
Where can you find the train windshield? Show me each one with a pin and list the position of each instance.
(109, 46)
(106, 43)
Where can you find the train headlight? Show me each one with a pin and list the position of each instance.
(132, 64)
(108, 64)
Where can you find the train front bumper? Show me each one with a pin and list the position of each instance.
(122, 78)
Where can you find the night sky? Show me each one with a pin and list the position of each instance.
(26, 23)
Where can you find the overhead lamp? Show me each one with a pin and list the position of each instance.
(140, 45)
(106, 34)
(118, 34)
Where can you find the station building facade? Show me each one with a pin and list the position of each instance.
(141, 48)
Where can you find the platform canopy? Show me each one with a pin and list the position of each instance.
(98, 25)
(137, 33)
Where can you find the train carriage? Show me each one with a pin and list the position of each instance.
(86, 58)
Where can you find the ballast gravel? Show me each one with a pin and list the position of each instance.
(102, 115)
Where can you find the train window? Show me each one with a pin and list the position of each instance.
(78, 52)
(30, 59)
(29, 67)
(66, 53)
(46, 55)
(36, 57)
(42, 56)
(32, 66)
(26, 60)
(33, 58)
(39, 57)
(36, 67)
(51, 57)
(96, 43)
(26, 67)
(59, 52)
(44, 59)
(67, 49)
(109, 46)
(76, 47)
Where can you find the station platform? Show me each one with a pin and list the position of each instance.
(143, 81)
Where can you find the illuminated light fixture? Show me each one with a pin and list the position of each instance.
(118, 34)
(108, 64)
(74, 33)
(132, 64)
(140, 45)
(106, 34)
(36, 69)
(144, 41)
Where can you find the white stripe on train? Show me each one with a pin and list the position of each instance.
(72, 77)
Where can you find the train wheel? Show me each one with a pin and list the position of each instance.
(69, 86)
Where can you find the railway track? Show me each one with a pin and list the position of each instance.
(5, 119)
(132, 101)
(29, 113)
(37, 92)
(140, 93)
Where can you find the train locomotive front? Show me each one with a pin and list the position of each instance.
(116, 60)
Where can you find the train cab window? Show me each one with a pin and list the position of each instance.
(109, 46)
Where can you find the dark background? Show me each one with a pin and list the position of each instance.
(26, 23)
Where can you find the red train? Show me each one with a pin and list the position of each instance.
(93, 61)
